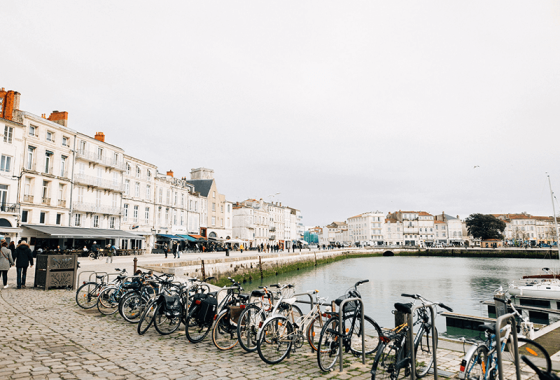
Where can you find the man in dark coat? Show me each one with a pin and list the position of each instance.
(24, 259)
(95, 249)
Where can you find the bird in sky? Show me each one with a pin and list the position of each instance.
(476, 166)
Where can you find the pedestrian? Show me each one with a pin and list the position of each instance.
(24, 259)
(6, 262)
(241, 248)
(111, 250)
(95, 250)
(12, 247)
(85, 251)
(165, 250)
(174, 250)
(178, 251)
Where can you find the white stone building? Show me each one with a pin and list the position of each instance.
(367, 228)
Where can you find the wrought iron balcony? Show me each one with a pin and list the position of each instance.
(98, 182)
(11, 208)
(98, 209)
(103, 160)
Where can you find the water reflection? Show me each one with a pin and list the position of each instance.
(461, 283)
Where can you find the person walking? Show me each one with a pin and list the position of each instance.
(6, 261)
(24, 259)
(174, 250)
(95, 249)
(165, 250)
(178, 251)
(111, 250)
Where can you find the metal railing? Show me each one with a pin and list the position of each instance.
(28, 198)
(106, 161)
(9, 207)
(98, 182)
(410, 338)
(513, 333)
(100, 209)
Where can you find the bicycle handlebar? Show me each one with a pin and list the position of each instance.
(445, 307)
(415, 296)
(360, 283)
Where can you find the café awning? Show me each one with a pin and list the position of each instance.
(78, 233)
(170, 237)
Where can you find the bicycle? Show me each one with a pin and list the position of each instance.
(281, 334)
(393, 355)
(88, 293)
(109, 297)
(328, 351)
(253, 315)
(141, 289)
(481, 360)
(547, 375)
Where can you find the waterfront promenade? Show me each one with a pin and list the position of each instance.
(45, 335)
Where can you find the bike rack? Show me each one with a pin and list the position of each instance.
(91, 274)
(311, 303)
(513, 333)
(410, 323)
(340, 328)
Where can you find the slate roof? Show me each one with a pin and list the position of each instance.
(201, 185)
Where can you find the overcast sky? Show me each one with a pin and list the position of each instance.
(341, 107)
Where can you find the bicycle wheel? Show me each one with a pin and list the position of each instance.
(292, 312)
(196, 330)
(328, 346)
(371, 331)
(147, 317)
(131, 307)
(164, 323)
(533, 350)
(86, 295)
(385, 363)
(275, 340)
(475, 369)
(424, 350)
(314, 329)
(108, 301)
(224, 332)
(250, 321)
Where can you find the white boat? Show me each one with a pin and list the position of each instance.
(538, 288)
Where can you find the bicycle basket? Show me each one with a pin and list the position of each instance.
(349, 307)
(235, 312)
(207, 310)
(288, 292)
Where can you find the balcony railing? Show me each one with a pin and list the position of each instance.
(28, 198)
(46, 201)
(107, 161)
(98, 182)
(272, 229)
(62, 203)
(272, 237)
(12, 208)
(98, 209)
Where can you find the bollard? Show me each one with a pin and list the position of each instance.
(135, 265)
(202, 269)
(260, 267)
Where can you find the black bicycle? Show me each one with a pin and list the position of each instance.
(328, 350)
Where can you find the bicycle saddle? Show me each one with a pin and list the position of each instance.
(244, 297)
(259, 293)
(99, 276)
(487, 327)
(404, 307)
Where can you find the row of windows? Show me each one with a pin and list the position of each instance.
(138, 171)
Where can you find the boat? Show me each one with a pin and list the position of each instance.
(543, 288)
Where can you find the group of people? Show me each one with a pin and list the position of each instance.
(111, 251)
(20, 256)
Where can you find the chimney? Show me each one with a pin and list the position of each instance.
(170, 173)
(16, 100)
(59, 118)
(100, 136)
(7, 99)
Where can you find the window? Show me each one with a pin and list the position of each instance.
(24, 216)
(112, 222)
(213, 220)
(82, 148)
(42, 217)
(115, 158)
(195, 205)
(32, 130)
(58, 219)
(138, 172)
(63, 166)
(147, 215)
(168, 198)
(80, 194)
(96, 221)
(222, 208)
(127, 168)
(213, 194)
(8, 134)
(148, 192)
(149, 174)
(160, 196)
(125, 214)
(60, 192)
(182, 199)
(135, 214)
(166, 216)
(45, 190)
(30, 153)
(99, 153)
(174, 217)
(213, 206)
(182, 218)
(98, 198)
(48, 159)
(115, 178)
(64, 141)
(50, 136)
(126, 186)
(5, 163)
(137, 189)
(114, 200)
(175, 198)
(77, 220)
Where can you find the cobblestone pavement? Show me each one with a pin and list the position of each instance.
(45, 335)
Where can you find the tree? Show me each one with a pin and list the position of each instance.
(484, 226)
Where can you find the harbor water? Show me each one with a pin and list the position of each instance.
(461, 283)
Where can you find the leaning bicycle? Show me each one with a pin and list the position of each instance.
(393, 358)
